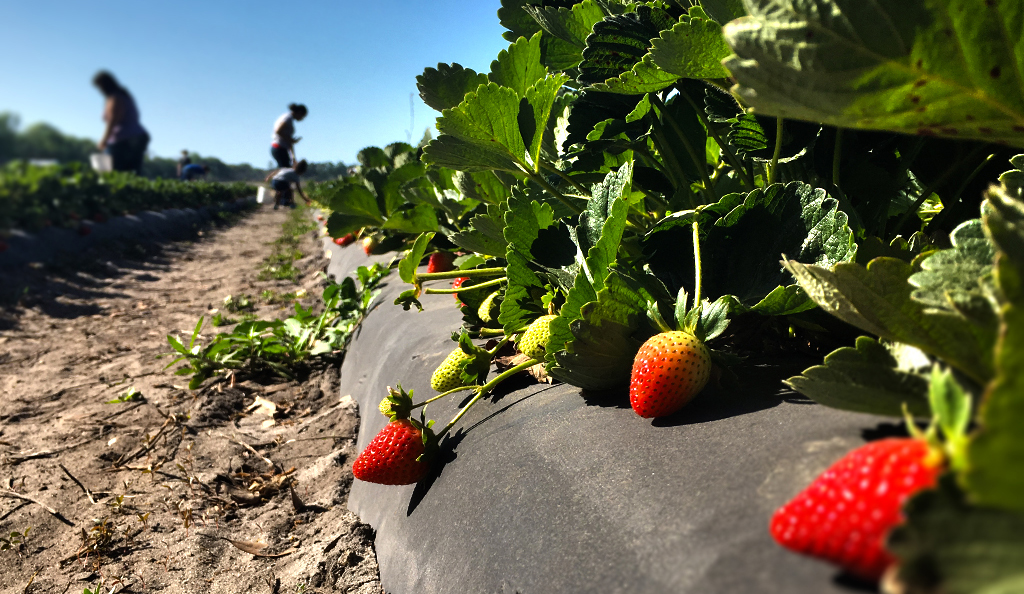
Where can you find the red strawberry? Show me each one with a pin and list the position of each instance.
(845, 515)
(440, 262)
(457, 284)
(668, 371)
(391, 457)
(370, 244)
(319, 217)
(345, 239)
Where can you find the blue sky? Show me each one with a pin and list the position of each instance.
(213, 76)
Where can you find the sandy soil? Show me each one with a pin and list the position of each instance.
(180, 491)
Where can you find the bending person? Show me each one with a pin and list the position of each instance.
(124, 138)
(282, 180)
(282, 145)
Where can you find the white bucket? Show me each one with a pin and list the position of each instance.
(101, 162)
(261, 193)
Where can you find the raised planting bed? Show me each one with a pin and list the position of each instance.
(546, 488)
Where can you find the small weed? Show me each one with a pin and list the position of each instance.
(271, 298)
(14, 541)
(129, 395)
(240, 302)
(219, 320)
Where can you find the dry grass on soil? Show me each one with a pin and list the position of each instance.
(226, 489)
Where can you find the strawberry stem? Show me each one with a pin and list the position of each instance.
(442, 395)
(485, 332)
(497, 348)
(475, 272)
(488, 284)
(696, 264)
(485, 389)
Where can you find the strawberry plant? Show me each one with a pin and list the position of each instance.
(817, 182)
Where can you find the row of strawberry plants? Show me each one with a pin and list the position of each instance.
(641, 194)
(33, 197)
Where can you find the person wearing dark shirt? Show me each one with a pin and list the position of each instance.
(282, 143)
(124, 138)
(183, 161)
(192, 171)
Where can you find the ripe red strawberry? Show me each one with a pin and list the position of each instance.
(845, 515)
(319, 217)
(440, 262)
(668, 371)
(345, 239)
(391, 457)
(457, 283)
(370, 244)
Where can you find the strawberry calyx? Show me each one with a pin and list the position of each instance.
(397, 404)
(946, 434)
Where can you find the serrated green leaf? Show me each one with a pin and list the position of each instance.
(928, 67)
(644, 77)
(995, 474)
(954, 276)
(481, 185)
(390, 190)
(356, 201)
(481, 133)
(784, 301)
(519, 67)
(947, 545)
(600, 354)
(523, 223)
(723, 11)
(483, 235)
(339, 224)
(571, 25)
(864, 379)
(513, 17)
(419, 218)
(408, 265)
(692, 48)
(446, 86)
(373, 157)
(541, 98)
(620, 42)
(877, 299)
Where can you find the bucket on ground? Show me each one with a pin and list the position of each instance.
(101, 162)
(261, 193)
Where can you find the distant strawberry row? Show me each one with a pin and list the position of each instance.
(34, 197)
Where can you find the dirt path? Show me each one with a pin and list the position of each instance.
(158, 493)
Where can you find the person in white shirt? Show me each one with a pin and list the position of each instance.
(282, 143)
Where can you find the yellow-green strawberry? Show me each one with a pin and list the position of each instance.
(448, 375)
(536, 337)
(397, 404)
(487, 308)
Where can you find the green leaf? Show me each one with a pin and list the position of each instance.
(600, 354)
(390, 190)
(481, 133)
(599, 234)
(408, 265)
(742, 247)
(373, 157)
(953, 278)
(571, 25)
(356, 201)
(523, 223)
(541, 98)
(723, 11)
(421, 217)
(865, 379)
(620, 42)
(514, 18)
(481, 185)
(643, 77)
(474, 369)
(519, 67)
(877, 299)
(446, 86)
(692, 48)
(950, 405)
(947, 545)
(995, 474)
(928, 67)
(483, 235)
(784, 301)
(339, 224)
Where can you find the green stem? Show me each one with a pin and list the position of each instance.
(442, 395)
(475, 272)
(837, 154)
(487, 388)
(773, 172)
(539, 179)
(729, 155)
(488, 284)
(699, 163)
(487, 332)
(565, 177)
(696, 264)
(497, 348)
